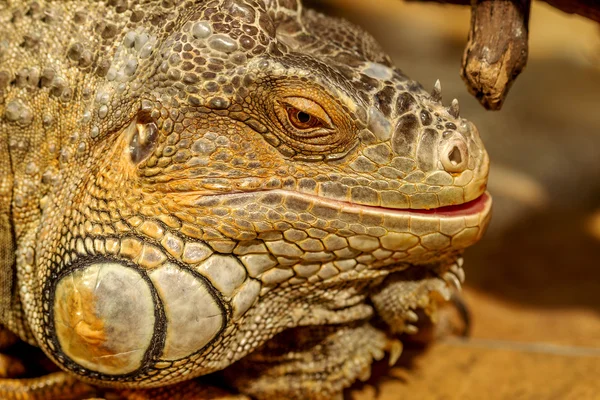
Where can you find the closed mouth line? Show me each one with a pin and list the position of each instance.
(476, 206)
(481, 204)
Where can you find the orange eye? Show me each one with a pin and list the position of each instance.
(303, 120)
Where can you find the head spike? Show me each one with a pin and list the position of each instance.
(436, 92)
(453, 109)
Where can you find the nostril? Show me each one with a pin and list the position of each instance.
(454, 156)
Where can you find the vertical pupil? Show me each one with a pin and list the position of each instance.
(303, 117)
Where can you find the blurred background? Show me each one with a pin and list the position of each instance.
(533, 283)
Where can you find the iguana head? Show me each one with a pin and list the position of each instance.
(248, 166)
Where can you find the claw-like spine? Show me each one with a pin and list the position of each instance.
(454, 109)
(459, 272)
(395, 348)
(436, 92)
(410, 329)
(450, 278)
(412, 316)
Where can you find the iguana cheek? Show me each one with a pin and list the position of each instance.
(114, 319)
(104, 317)
(193, 315)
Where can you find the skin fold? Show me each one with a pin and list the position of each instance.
(245, 186)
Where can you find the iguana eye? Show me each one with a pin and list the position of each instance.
(305, 115)
(307, 121)
(302, 120)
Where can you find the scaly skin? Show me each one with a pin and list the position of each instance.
(187, 183)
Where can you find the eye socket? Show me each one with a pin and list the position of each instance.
(303, 120)
(303, 116)
(310, 127)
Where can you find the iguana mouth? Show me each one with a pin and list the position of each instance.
(480, 205)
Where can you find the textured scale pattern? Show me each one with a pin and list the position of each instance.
(248, 185)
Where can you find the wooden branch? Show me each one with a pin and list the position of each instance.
(586, 8)
(497, 48)
(496, 51)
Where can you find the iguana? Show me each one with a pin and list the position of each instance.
(240, 185)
